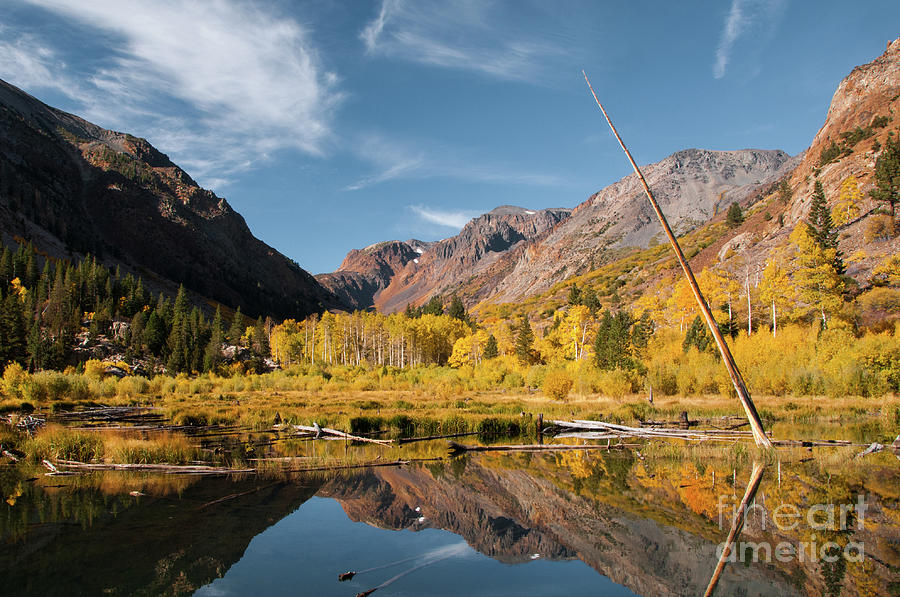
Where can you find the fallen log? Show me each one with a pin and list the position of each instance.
(584, 428)
(456, 448)
(55, 472)
(372, 464)
(816, 443)
(593, 435)
(182, 469)
(321, 431)
(409, 440)
(874, 448)
(624, 430)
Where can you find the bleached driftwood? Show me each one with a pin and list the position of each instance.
(456, 448)
(182, 469)
(320, 432)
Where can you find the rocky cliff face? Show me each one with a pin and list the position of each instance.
(364, 273)
(692, 186)
(859, 120)
(450, 265)
(391, 275)
(72, 187)
(869, 94)
(511, 253)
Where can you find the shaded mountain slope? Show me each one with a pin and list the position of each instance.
(72, 187)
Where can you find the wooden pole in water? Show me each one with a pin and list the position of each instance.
(759, 433)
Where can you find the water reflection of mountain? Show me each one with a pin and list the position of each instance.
(649, 525)
(512, 513)
(92, 543)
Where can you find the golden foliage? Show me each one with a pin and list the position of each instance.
(557, 384)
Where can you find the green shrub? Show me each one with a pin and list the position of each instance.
(58, 443)
(496, 427)
(365, 424)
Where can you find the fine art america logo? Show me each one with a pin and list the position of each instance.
(827, 519)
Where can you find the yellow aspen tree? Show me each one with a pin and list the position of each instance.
(555, 343)
(776, 288)
(818, 283)
(847, 207)
(284, 342)
(462, 352)
(719, 288)
(888, 270)
(577, 323)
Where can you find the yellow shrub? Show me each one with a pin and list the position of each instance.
(557, 384)
(14, 377)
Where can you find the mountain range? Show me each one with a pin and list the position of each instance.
(72, 188)
(694, 187)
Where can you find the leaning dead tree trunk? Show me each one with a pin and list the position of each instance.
(756, 426)
(736, 526)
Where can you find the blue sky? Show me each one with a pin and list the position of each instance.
(333, 125)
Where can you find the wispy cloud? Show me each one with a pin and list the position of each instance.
(226, 82)
(448, 219)
(744, 16)
(31, 64)
(393, 160)
(467, 35)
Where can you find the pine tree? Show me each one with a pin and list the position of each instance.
(612, 345)
(735, 216)
(589, 299)
(524, 342)
(697, 336)
(197, 339)
(822, 228)
(260, 338)
(213, 354)
(491, 350)
(15, 335)
(236, 331)
(178, 342)
(784, 191)
(887, 174)
(435, 306)
(820, 219)
(6, 270)
(136, 334)
(457, 310)
(154, 334)
(36, 347)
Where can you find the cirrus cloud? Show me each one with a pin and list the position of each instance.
(221, 84)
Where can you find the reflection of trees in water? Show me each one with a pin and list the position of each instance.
(649, 523)
(171, 542)
(31, 497)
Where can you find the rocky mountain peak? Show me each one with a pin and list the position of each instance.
(691, 185)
